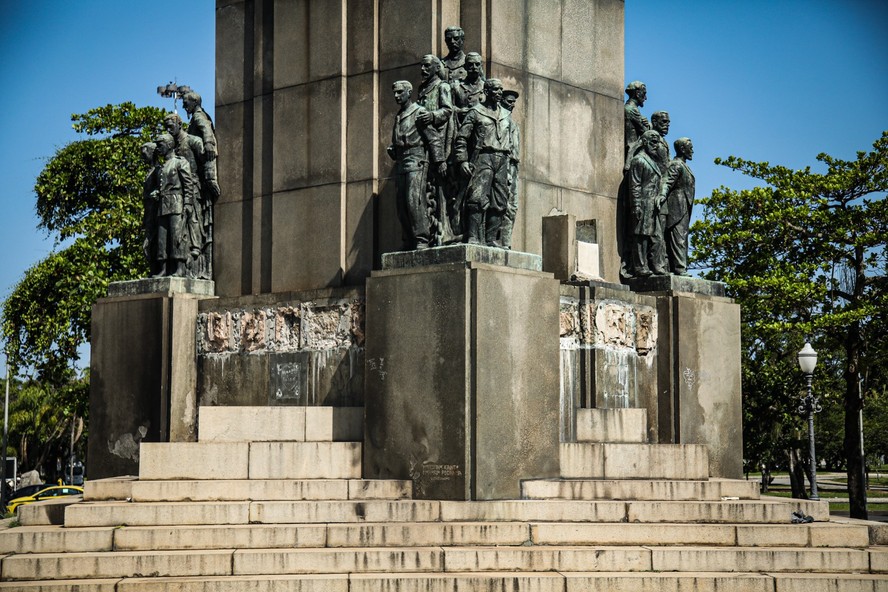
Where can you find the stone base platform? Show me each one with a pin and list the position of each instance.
(347, 535)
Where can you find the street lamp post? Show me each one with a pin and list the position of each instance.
(810, 405)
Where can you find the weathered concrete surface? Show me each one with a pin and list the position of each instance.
(304, 113)
(461, 254)
(705, 352)
(290, 349)
(462, 390)
(609, 354)
(162, 285)
(143, 381)
(612, 425)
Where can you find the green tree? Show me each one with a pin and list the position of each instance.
(805, 255)
(89, 199)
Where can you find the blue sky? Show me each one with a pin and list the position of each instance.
(777, 81)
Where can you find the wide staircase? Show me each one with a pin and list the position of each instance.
(272, 499)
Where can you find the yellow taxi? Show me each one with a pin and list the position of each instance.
(44, 494)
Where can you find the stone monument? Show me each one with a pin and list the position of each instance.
(453, 351)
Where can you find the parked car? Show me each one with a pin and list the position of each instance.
(44, 494)
(28, 490)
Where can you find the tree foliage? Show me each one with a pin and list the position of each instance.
(89, 199)
(805, 256)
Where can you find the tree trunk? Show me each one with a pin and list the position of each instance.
(853, 443)
(796, 474)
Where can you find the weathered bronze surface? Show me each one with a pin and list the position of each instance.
(415, 143)
(677, 192)
(483, 148)
(644, 190)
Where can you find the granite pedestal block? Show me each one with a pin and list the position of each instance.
(143, 379)
(699, 361)
(461, 392)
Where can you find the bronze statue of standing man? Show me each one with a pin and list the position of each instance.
(677, 192)
(454, 61)
(414, 145)
(175, 193)
(483, 148)
(634, 126)
(201, 126)
(644, 192)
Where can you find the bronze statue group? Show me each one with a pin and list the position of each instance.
(656, 195)
(179, 194)
(456, 149)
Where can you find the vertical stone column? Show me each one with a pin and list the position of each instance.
(304, 113)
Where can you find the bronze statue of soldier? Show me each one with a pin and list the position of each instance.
(201, 126)
(175, 194)
(435, 96)
(414, 146)
(150, 202)
(190, 148)
(483, 149)
(469, 91)
(510, 97)
(677, 191)
(454, 61)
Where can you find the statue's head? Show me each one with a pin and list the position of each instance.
(402, 90)
(660, 122)
(474, 67)
(684, 148)
(455, 38)
(172, 123)
(430, 66)
(147, 151)
(637, 90)
(164, 144)
(651, 142)
(510, 97)
(493, 89)
(191, 101)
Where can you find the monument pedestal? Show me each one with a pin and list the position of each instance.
(699, 368)
(142, 374)
(462, 384)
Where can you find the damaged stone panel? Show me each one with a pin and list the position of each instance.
(253, 330)
(215, 334)
(287, 328)
(614, 325)
(645, 330)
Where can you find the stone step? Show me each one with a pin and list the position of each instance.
(281, 424)
(585, 460)
(765, 511)
(425, 534)
(271, 489)
(822, 534)
(63, 566)
(112, 488)
(92, 585)
(612, 425)
(249, 460)
(629, 558)
(487, 581)
(637, 489)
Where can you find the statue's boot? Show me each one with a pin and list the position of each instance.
(474, 227)
(494, 220)
(180, 269)
(506, 233)
(161, 271)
